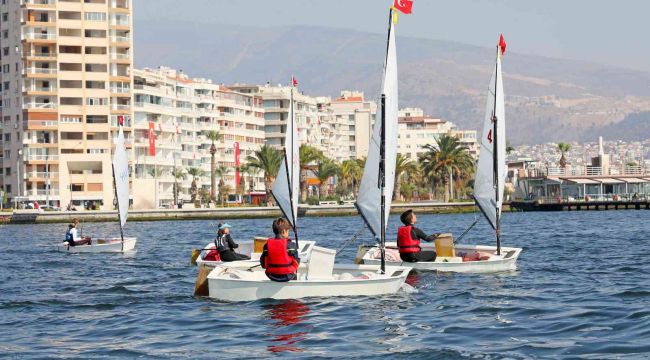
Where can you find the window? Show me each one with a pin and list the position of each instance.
(5, 34)
(70, 84)
(69, 49)
(96, 68)
(95, 16)
(96, 119)
(8, 172)
(5, 51)
(70, 67)
(70, 32)
(95, 33)
(69, 15)
(95, 85)
(5, 17)
(74, 101)
(5, 86)
(96, 101)
(71, 119)
(6, 68)
(95, 50)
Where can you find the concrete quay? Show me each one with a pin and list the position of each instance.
(35, 216)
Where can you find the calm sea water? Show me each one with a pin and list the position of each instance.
(582, 290)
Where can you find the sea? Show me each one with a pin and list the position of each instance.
(581, 290)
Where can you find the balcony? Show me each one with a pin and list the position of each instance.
(120, 56)
(44, 192)
(39, 36)
(120, 39)
(40, 72)
(36, 55)
(41, 89)
(120, 107)
(39, 106)
(120, 90)
(43, 174)
(39, 157)
(37, 4)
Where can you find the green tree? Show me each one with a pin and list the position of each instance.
(220, 171)
(178, 174)
(563, 148)
(350, 174)
(267, 159)
(403, 166)
(447, 157)
(213, 136)
(195, 173)
(308, 155)
(326, 169)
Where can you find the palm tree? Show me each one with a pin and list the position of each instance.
(308, 155)
(220, 171)
(564, 148)
(361, 163)
(403, 165)
(444, 159)
(213, 136)
(268, 160)
(326, 169)
(155, 173)
(349, 172)
(195, 173)
(178, 174)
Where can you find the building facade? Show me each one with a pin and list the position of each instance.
(177, 111)
(350, 127)
(66, 78)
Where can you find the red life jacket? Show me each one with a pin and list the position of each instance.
(212, 255)
(406, 243)
(278, 261)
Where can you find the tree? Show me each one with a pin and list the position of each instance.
(155, 173)
(267, 159)
(564, 148)
(326, 169)
(349, 174)
(403, 166)
(195, 173)
(308, 155)
(213, 136)
(178, 174)
(444, 159)
(220, 171)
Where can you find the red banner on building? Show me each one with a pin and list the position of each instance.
(152, 139)
(237, 174)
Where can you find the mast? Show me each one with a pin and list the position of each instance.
(495, 156)
(291, 179)
(382, 183)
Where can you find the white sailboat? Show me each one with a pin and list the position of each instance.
(121, 182)
(321, 277)
(488, 194)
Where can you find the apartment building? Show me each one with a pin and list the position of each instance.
(416, 130)
(177, 111)
(65, 81)
(348, 133)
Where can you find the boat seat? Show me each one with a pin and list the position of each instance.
(321, 264)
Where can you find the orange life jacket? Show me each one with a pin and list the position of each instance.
(406, 243)
(278, 261)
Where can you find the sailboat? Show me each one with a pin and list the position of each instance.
(488, 195)
(321, 277)
(285, 191)
(121, 182)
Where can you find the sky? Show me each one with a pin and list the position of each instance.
(607, 32)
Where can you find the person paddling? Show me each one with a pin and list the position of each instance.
(408, 240)
(226, 246)
(280, 254)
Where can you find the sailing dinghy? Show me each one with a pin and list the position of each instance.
(488, 194)
(121, 182)
(321, 277)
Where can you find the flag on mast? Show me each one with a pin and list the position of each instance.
(294, 81)
(502, 45)
(404, 6)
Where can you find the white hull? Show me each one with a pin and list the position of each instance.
(113, 245)
(505, 262)
(246, 248)
(236, 283)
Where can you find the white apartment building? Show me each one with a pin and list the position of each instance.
(347, 135)
(180, 109)
(416, 130)
(66, 77)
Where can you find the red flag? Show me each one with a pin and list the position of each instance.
(152, 140)
(237, 175)
(294, 81)
(405, 6)
(502, 45)
(120, 120)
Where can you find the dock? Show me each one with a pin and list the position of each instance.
(580, 205)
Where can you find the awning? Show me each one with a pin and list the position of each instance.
(610, 181)
(634, 180)
(582, 181)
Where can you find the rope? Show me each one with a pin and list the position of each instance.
(352, 239)
(470, 227)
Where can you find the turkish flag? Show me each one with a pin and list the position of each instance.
(405, 6)
(502, 44)
(152, 139)
(294, 81)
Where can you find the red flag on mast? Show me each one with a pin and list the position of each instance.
(294, 81)
(405, 6)
(502, 44)
(152, 139)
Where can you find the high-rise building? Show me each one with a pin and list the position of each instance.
(352, 118)
(66, 78)
(177, 111)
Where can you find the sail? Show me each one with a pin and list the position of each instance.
(488, 190)
(121, 175)
(285, 189)
(369, 197)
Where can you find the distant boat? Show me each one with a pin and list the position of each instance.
(121, 181)
(488, 195)
(321, 277)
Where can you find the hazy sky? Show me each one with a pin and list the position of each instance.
(613, 32)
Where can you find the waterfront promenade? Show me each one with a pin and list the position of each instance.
(35, 216)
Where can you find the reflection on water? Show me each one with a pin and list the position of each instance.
(285, 315)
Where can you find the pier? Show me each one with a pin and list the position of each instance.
(581, 205)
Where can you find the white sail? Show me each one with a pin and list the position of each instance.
(369, 197)
(488, 190)
(121, 174)
(286, 186)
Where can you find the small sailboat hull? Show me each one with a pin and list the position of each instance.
(232, 283)
(507, 261)
(248, 248)
(113, 245)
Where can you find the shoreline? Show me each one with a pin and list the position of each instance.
(52, 217)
